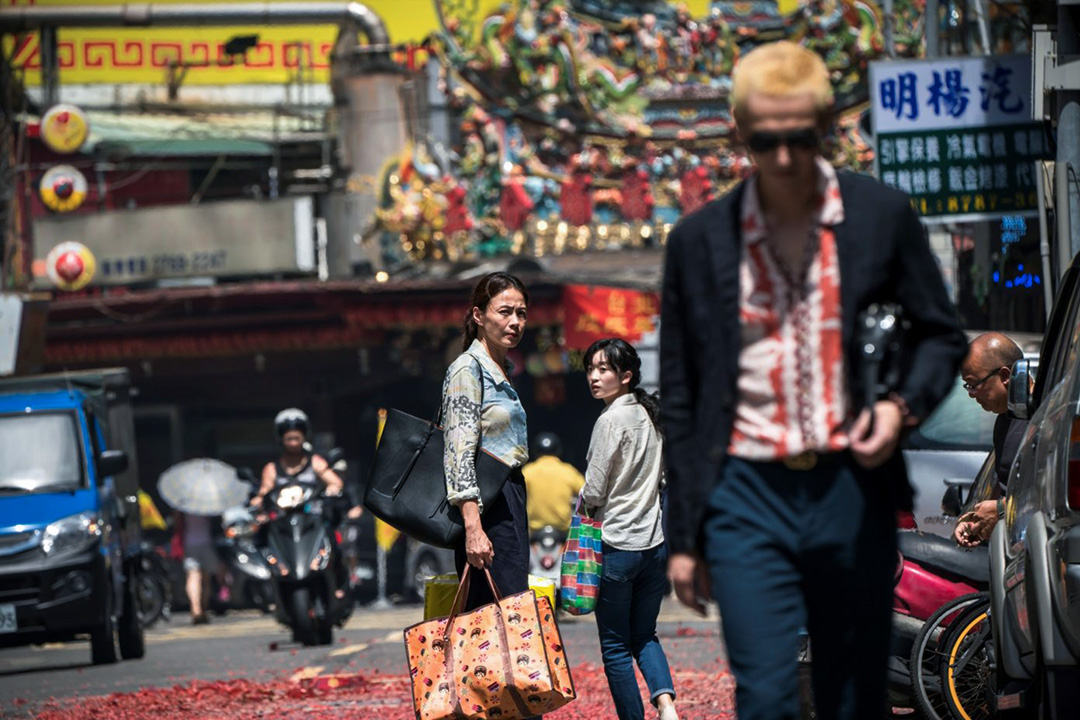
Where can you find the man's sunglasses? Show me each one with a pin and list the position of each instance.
(972, 387)
(764, 141)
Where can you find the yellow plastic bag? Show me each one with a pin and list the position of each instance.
(439, 593)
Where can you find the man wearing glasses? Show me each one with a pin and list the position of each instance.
(783, 493)
(986, 372)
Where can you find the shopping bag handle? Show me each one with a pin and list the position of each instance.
(577, 508)
(463, 592)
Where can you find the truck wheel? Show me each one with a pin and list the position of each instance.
(103, 637)
(132, 641)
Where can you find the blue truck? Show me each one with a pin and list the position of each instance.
(69, 516)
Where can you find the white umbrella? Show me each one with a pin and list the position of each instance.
(202, 486)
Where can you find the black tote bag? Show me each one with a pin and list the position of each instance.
(407, 485)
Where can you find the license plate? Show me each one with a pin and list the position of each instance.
(7, 619)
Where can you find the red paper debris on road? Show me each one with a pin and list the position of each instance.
(702, 695)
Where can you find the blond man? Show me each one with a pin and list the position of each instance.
(782, 493)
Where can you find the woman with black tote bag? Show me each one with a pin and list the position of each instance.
(481, 407)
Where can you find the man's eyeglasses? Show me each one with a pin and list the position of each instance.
(764, 141)
(972, 387)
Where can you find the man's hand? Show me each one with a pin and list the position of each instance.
(873, 449)
(974, 527)
(691, 581)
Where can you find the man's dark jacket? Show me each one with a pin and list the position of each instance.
(884, 257)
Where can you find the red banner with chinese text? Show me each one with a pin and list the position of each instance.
(594, 312)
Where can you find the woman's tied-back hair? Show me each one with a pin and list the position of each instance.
(781, 69)
(622, 357)
(488, 287)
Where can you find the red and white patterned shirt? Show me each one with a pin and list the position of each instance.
(793, 394)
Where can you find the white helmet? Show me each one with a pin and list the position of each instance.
(292, 419)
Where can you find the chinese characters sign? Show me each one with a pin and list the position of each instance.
(956, 134)
(593, 313)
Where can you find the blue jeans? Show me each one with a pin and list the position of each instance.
(789, 549)
(634, 583)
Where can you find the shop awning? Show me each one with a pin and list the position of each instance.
(191, 133)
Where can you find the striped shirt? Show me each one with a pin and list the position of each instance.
(499, 425)
(793, 394)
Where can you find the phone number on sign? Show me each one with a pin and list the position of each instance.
(166, 264)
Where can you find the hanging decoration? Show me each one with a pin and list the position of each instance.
(70, 266)
(64, 128)
(62, 188)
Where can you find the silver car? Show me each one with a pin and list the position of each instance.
(1035, 551)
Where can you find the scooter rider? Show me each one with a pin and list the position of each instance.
(297, 463)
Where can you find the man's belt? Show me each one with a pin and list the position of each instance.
(806, 460)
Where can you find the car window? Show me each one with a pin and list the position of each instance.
(958, 423)
(985, 484)
(1062, 336)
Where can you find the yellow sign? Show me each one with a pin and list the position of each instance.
(62, 188)
(64, 128)
(385, 535)
(284, 54)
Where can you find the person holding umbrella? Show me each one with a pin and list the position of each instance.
(199, 490)
(195, 537)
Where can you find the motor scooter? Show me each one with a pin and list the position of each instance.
(931, 571)
(251, 584)
(302, 549)
(545, 553)
(153, 586)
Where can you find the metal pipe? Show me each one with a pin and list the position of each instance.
(50, 67)
(20, 19)
(932, 28)
(984, 30)
(1049, 280)
(890, 22)
(1066, 251)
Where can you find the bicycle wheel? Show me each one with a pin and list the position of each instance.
(967, 665)
(925, 665)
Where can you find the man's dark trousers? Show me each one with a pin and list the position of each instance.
(791, 549)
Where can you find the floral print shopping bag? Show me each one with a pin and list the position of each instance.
(503, 660)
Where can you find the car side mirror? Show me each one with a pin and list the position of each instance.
(112, 462)
(952, 501)
(1020, 387)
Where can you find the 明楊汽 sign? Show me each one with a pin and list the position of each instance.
(957, 134)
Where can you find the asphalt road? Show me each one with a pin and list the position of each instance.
(248, 645)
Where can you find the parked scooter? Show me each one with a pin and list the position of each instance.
(153, 586)
(311, 588)
(545, 553)
(932, 571)
(251, 584)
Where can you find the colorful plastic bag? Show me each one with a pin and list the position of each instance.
(503, 660)
(439, 591)
(582, 565)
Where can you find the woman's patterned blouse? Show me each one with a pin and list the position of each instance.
(499, 425)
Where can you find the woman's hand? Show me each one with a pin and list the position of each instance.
(478, 549)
